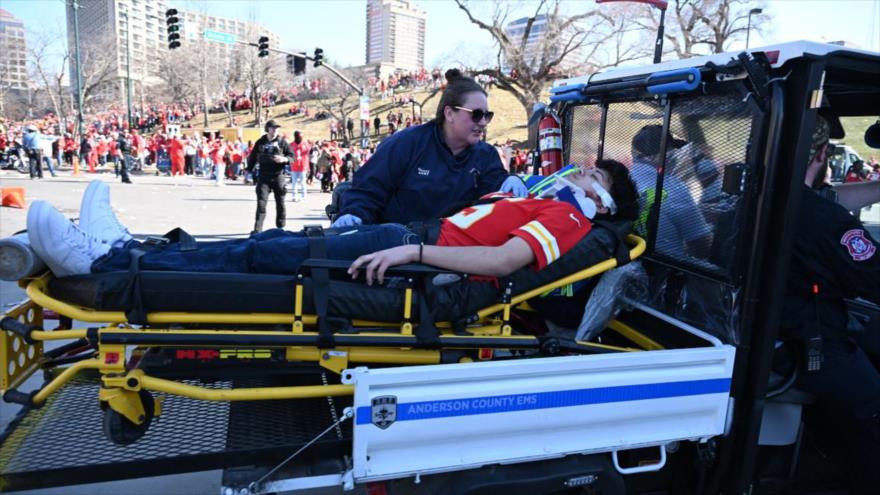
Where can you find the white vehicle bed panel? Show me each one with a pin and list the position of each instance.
(459, 416)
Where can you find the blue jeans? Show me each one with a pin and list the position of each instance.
(48, 160)
(273, 251)
(298, 183)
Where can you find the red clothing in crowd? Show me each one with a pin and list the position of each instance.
(300, 161)
(852, 176)
(549, 227)
(218, 149)
(176, 152)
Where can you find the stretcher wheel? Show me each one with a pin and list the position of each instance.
(120, 430)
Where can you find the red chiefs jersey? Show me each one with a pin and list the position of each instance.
(549, 227)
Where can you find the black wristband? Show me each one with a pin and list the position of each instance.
(421, 247)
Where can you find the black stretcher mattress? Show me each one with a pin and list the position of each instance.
(205, 292)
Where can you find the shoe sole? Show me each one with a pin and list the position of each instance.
(94, 187)
(36, 216)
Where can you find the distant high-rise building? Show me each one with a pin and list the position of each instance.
(104, 24)
(194, 24)
(13, 53)
(534, 43)
(396, 33)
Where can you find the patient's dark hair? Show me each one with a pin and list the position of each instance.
(457, 86)
(623, 190)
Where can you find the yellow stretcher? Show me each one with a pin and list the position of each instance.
(125, 394)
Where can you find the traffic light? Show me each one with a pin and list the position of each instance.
(263, 46)
(173, 28)
(296, 65)
(319, 57)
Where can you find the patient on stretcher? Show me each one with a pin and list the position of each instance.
(495, 237)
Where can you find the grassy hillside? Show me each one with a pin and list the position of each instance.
(509, 122)
(855, 127)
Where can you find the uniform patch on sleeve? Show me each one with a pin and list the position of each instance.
(859, 247)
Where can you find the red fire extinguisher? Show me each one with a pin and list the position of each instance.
(550, 143)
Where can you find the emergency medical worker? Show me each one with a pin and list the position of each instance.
(833, 258)
(272, 152)
(424, 171)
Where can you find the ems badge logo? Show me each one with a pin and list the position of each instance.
(384, 411)
(858, 246)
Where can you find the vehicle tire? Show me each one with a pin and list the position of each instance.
(22, 166)
(119, 430)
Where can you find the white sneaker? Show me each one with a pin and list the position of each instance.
(96, 215)
(62, 244)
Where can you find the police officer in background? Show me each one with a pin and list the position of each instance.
(833, 258)
(272, 153)
(31, 144)
(123, 146)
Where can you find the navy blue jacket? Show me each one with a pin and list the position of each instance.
(413, 176)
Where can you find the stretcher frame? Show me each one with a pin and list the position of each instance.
(124, 391)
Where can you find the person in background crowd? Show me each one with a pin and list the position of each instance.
(138, 146)
(69, 149)
(377, 125)
(85, 152)
(333, 130)
(298, 167)
(177, 154)
(217, 155)
(856, 172)
(31, 144)
(235, 157)
(314, 154)
(189, 157)
(123, 155)
(272, 153)
(325, 169)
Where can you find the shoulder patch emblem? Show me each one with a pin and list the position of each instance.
(859, 247)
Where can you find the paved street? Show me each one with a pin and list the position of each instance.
(154, 205)
(151, 206)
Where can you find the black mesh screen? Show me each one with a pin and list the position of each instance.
(698, 222)
(698, 229)
(582, 134)
(623, 122)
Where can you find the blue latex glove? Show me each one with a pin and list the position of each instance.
(347, 220)
(516, 186)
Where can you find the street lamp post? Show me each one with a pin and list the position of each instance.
(749, 27)
(79, 109)
(124, 15)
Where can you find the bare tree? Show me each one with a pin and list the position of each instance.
(697, 27)
(47, 67)
(98, 68)
(176, 69)
(524, 67)
(259, 74)
(337, 98)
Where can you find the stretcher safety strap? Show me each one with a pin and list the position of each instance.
(320, 284)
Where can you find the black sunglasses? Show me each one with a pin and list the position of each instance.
(477, 114)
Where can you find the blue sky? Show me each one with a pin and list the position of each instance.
(339, 26)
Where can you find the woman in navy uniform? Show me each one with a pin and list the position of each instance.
(420, 173)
